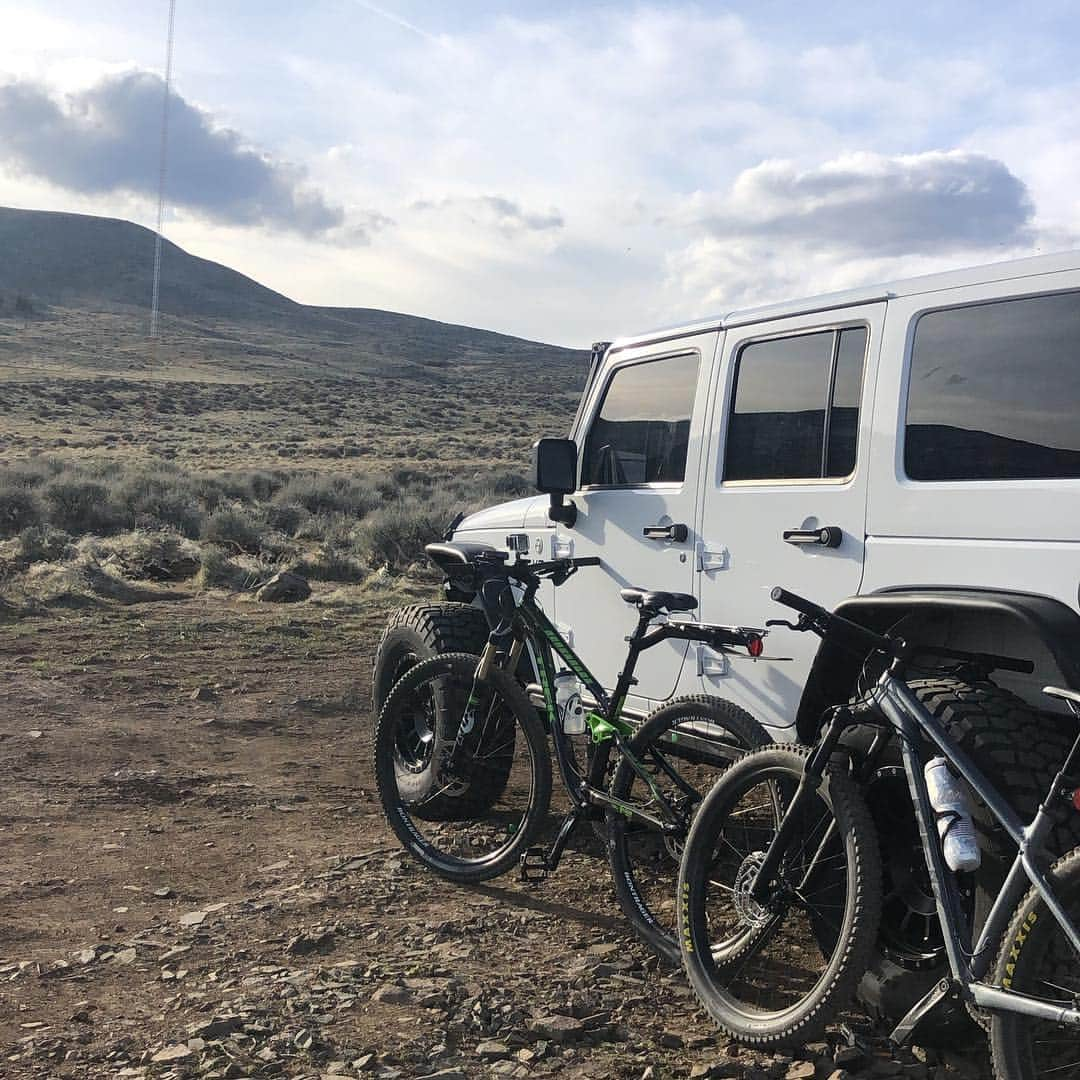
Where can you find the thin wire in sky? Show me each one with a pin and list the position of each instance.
(396, 19)
(162, 161)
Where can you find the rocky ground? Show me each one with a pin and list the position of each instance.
(197, 882)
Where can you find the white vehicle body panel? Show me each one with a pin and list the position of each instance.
(747, 519)
(610, 523)
(1019, 536)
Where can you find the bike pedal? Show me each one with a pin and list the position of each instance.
(534, 865)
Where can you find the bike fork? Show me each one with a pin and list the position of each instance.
(810, 781)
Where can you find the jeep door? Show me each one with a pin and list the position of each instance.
(640, 444)
(785, 490)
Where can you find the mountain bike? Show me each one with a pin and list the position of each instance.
(462, 756)
(779, 887)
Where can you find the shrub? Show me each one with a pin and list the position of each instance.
(510, 483)
(233, 526)
(153, 499)
(43, 543)
(19, 509)
(319, 494)
(287, 517)
(82, 506)
(395, 535)
(330, 564)
(218, 570)
(31, 473)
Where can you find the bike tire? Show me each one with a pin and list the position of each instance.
(441, 680)
(1036, 959)
(843, 942)
(644, 865)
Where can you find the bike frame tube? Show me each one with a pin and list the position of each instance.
(910, 719)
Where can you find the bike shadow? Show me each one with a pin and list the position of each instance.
(543, 906)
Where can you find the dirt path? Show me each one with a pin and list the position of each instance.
(197, 882)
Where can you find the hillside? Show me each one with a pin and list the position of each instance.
(103, 264)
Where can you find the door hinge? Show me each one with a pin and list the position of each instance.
(711, 663)
(709, 559)
(562, 547)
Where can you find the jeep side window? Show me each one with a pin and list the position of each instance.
(994, 392)
(795, 407)
(641, 431)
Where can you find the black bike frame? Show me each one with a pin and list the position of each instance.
(605, 722)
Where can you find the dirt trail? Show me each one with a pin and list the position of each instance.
(197, 882)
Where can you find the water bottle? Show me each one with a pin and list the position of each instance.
(955, 827)
(568, 703)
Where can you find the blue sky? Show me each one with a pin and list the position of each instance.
(565, 171)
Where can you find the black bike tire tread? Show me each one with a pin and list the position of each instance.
(860, 942)
(1003, 1037)
(512, 692)
(742, 723)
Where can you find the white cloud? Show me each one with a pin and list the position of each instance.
(575, 175)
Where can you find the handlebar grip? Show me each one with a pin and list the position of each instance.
(804, 607)
(587, 560)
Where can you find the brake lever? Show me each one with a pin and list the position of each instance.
(784, 622)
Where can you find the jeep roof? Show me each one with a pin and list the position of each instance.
(925, 283)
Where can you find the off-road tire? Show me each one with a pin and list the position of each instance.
(418, 633)
(1019, 751)
(746, 734)
(484, 795)
(857, 935)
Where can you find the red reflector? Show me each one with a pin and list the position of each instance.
(1076, 799)
(755, 646)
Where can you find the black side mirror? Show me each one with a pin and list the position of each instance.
(555, 471)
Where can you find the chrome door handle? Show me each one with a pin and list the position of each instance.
(827, 536)
(678, 533)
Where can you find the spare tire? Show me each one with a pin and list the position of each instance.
(419, 632)
(1019, 751)
(414, 634)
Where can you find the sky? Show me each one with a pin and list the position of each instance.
(567, 172)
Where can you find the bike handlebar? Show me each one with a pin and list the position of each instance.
(825, 623)
(523, 569)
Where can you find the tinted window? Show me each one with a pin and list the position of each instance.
(795, 410)
(641, 433)
(847, 392)
(995, 391)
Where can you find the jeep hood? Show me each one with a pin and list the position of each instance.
(507, 515)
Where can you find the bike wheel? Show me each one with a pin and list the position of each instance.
(684, 746)
(776, 973)
(1037, 959)
(483, 738)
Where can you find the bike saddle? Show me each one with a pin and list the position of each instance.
(659, 601)
(454, 556)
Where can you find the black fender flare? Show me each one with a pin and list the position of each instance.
(1049, 621)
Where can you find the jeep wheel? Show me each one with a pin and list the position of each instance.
(414, 634)
(996, 728)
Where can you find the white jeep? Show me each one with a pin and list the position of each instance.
(907, 455)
